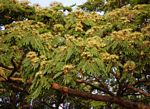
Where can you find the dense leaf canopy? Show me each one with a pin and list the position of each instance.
(109, 5)
(48, 58)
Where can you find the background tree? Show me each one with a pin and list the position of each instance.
(48, 58)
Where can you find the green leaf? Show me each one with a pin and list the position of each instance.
(81, 64)
(97, 104)
(57, 75)
(101, 65)
(67, 79)
(89, 22)
(70, 52)
(58, 41)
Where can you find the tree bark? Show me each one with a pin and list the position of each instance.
(110, 99)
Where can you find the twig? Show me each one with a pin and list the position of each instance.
(95, 87)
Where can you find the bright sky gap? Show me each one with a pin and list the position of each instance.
(45, 3)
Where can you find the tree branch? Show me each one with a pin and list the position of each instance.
(86, 95)
(6, 67)
(138, 90)
(101, 84)
(95, 87)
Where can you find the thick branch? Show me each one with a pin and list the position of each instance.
(86, 95)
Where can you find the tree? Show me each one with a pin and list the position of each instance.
(48, 58)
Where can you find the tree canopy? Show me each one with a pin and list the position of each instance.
(81, 59)
(109, 5)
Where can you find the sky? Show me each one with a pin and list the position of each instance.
(45, 3)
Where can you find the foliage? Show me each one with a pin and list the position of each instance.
(109, 5)
(105, 55)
